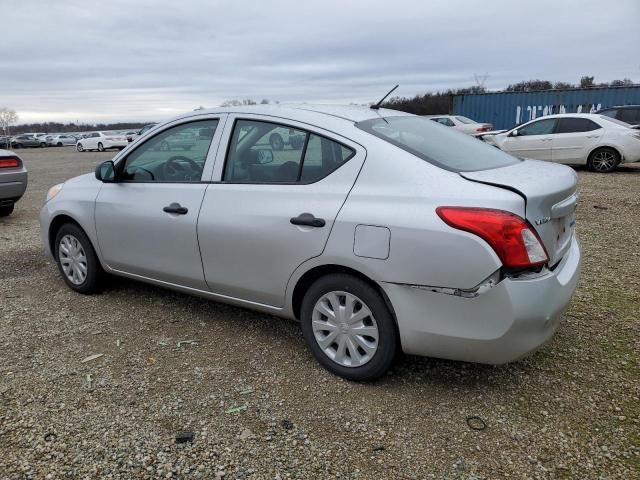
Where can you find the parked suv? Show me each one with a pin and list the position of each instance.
(628, 113)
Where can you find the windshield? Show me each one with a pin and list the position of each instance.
(465, 120)
(441, 146)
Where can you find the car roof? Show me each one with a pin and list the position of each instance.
(619, 107)
(569, 115)
(304, 112)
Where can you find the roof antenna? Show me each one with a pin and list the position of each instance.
(377, 105)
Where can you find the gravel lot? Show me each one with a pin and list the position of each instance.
(572, 410)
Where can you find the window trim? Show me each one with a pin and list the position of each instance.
(121, 161)
(303, 153)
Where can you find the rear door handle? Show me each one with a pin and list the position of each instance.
(309, 220)
(176, 208)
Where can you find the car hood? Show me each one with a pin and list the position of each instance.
(550, 193)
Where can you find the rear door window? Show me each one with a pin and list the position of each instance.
(575, 125)
(265, 152)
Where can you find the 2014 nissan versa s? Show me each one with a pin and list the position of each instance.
(380, 231)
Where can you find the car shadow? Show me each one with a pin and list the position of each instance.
(407, 369)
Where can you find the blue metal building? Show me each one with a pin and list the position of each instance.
(507, 109)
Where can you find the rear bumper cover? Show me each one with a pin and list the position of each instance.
(13, 184)
(501, 325)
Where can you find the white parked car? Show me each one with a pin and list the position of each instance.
(385, 232)
(101, 141)
(61, 140)
(598, 141)
(463, 124)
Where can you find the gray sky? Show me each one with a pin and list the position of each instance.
(104, 60)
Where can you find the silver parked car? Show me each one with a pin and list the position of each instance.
(13, 181)
(61, 140)
(383, 232)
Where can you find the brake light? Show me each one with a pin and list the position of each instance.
(512, 238)
(484, 128)
(9, 162)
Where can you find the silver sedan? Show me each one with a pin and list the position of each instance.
(13, 181)
(380, 231)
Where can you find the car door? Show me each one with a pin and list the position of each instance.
(146, 220)
(532, 140)
(574, 138)
(91, 142)
(271, 210)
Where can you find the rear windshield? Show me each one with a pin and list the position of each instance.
(441, 146)
(615, 120)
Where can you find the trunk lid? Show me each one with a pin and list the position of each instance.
(550, 193)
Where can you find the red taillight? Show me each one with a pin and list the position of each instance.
(515, 242)
(9, 162)
(484, 128)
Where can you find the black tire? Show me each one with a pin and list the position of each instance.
(79, 147)
(6, 210)
(59, 144)
(387, 348)
(95, 273)
(276, 141)
(42, 144)
(17, 145)
(100, 147)
(603, 160)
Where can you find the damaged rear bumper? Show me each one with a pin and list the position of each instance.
(498, 325)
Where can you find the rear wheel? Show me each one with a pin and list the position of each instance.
(100, 147)
(603, 160)
(77, 260)
(6, 210)
(42, 144)
(348, 327)
(59, 144)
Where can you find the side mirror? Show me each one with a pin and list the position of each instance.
(106, 172)
(514, 133)
(265, 156)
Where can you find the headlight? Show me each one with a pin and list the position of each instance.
(53, 191)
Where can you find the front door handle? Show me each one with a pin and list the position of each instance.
(176, 208)
(309, 220)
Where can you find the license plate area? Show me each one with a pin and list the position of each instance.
(564, 228)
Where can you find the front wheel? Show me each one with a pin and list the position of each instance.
(603, 160)
(348, 327)
(6, 210)
(100, 147)
(77, 260)
(42, 144)
(79, 147)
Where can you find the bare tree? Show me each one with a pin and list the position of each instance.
(7, 117)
